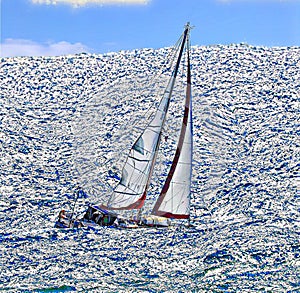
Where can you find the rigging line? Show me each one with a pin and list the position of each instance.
(171, 56)
(113, 91)
(172, 52)
(168, 90)
(150, 112)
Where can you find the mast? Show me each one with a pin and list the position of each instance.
(174, 199)
(132, 189)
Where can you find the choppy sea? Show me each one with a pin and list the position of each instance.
(65, 120)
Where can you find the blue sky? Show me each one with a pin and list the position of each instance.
(56, 27)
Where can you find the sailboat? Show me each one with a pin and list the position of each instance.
(173, 202)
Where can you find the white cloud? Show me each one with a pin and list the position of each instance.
(20, 47)
(77, 3)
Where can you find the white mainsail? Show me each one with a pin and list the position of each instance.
(174, 200)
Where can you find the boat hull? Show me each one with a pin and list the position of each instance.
(96, 217)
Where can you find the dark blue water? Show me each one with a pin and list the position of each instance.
(64, 121)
